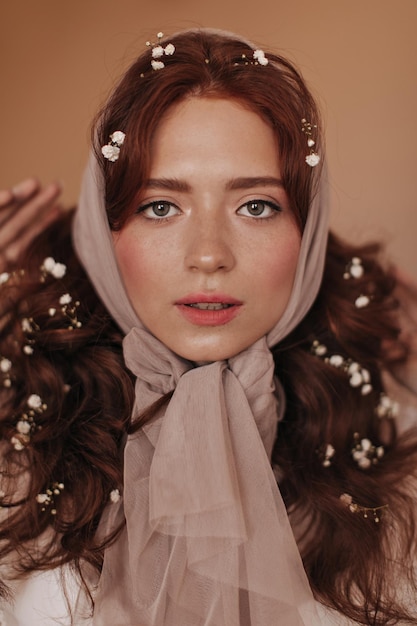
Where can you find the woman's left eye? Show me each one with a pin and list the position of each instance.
(259, 208)
(158, 210)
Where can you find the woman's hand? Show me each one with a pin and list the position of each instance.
(25, 211)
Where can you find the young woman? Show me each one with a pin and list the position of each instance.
(195, 420)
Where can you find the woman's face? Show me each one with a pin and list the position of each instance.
(209, 257)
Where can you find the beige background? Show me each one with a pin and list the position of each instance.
(59, 59)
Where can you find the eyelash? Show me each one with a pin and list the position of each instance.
(267, 203)
(157, 218)
(153, 205)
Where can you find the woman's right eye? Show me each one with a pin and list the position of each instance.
(158, 210)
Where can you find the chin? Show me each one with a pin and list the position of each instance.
(202, 356)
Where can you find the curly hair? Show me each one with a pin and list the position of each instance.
(79, 374)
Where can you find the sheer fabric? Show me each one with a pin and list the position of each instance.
(207, 540)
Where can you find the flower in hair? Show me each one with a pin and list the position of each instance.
(362, 301)
(34, 402)
(47, 499)
(158, 51)
(354, 268)
(387, 407)
(169, 49)
(368, 512)
(364, 453)
(259, 56)
(118, 137)
(65, 299)
(26, 423)
(5, 365)
(359, 376)
(112, 150)
(115, 496)
(52, 267)
(312, 159)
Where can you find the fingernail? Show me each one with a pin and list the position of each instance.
(25, 187)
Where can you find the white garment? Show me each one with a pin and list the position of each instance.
(39, 600)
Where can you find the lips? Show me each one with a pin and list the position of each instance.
(208, 309)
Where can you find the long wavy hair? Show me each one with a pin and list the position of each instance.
(74, 450)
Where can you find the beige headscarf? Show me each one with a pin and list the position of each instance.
(207, 540)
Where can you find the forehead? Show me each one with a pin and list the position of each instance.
(216, 130)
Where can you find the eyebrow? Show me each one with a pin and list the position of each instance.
(246, 182)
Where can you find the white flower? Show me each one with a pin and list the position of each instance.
(259, 55)
(329, 450)
(5, 365)
(319, 348)
(115, 496)
(353, 367)
(336, 360)
(169, 49)
(4, 277)
(34, 401)
(366, 389)
(51, 311)
(59, 270)
(110, 152)
(366, 444)
(26, 325)
(65, 299)
(346, 499)
(380, 452)
(356, 379)
(23, 427)
(356, 270)
(366, 375)
(387, 407)
(49, 264)
(118, 137)
(313, 159)
(157, 52)
(157, 65)
(17, 444)
(361, 301)
(310, 142)
(42, 498)
(160, 35)
(364, 463)
(28, 349)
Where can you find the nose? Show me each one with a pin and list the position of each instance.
(209, 246)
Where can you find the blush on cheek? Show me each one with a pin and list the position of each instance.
(282, 261)
(130, 259)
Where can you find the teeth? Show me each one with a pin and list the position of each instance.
(210, 306)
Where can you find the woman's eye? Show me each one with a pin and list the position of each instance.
(259, 208)
(159, 209)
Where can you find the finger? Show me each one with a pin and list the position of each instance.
(26, 188)
(6, 198)
(15, 249)
(27, 214)
(11, 199)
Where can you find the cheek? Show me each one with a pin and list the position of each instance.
(145, 267)
(133, 261)
(279, 264)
